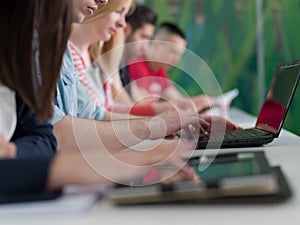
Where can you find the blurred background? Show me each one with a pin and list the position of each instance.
(241, 41)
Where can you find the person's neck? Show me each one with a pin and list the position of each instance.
(82, 42)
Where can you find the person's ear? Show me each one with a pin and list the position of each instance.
(127, 30)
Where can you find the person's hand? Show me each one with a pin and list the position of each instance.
(169, 176)
(8, 150)
(203, 102)
(218, 123)
(170, 122)
(165, 163)
(185, 174)
(182, 105)
(186, 104)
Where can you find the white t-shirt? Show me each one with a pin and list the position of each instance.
(8, 115)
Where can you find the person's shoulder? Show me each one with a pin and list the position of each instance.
(141, 60)
(68, 71)
(138, 64)
(67, 62)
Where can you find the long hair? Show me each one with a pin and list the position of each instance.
(32, 47)
(97, 49)
(109, 7)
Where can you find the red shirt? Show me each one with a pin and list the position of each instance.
(154, 82)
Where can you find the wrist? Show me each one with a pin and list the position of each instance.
(157, 128)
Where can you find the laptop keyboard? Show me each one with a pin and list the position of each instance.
(234, 134)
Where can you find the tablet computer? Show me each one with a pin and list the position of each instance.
(229, 176)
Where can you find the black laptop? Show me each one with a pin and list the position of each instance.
(271, 117)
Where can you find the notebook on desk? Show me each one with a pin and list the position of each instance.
(271, 117)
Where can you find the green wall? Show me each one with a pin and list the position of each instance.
(224, 34)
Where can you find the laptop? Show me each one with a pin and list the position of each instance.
(271, 117)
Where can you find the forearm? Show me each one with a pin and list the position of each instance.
(94, 168)
(119, 135)
(162, 106)
(149, 155)
(72, 169)
(75, 134)
(171, 94)
(111, 116)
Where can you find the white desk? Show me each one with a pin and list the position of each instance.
(284, 151)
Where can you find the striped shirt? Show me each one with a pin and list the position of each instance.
(99, 92)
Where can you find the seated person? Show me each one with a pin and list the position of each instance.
(76, 114)
(139, 30)
(100, 79)
(77, 119)
(28, 163)
(149, 71)
(97, 73)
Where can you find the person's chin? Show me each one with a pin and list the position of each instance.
(108, 37)
(79, 18)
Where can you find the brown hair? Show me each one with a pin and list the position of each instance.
(52, 21)
(142, 15)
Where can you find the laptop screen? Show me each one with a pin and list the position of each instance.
(279, 97)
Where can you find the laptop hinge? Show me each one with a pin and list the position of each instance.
(266, 127)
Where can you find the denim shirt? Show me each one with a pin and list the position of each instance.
(71, 98)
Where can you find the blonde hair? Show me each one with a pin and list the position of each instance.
(99, 48)
(111, 6)
(110, 60)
